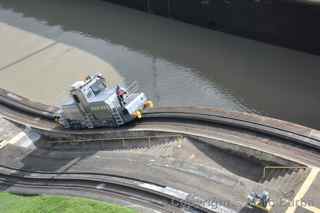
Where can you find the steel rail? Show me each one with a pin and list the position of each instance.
(239, 124)
(32, 188)
(137, 188)
(285, 130)
(23, 104)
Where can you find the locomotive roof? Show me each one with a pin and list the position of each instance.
(103, 95)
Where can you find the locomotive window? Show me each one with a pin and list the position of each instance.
(97, 88)
(89, 94)
(76, 98)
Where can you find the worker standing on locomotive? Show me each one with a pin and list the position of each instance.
(92, 104)
(120, 94)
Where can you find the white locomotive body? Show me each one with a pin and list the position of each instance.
(92, 104)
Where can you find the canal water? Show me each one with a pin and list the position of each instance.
(175, 63)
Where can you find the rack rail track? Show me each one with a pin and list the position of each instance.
(304, 143)
(150, 194)
(14, 106)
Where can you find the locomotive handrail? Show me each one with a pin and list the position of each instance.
(133, 87)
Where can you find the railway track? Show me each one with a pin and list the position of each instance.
(249, 130)
(18, 106)
(138, 191)
(287, 140)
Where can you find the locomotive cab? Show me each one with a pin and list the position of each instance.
(92, 104)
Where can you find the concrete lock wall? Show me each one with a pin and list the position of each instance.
(284, 22)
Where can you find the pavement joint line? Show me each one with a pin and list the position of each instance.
(304, 189)
(13, 140)
(29, 56)
(69, 165)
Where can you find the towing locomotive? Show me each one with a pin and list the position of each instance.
(92, 104)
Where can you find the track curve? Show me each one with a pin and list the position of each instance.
(260, 124)
(164, 198)
(248, 130)
(275, 137)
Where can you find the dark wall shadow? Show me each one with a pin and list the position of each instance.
(237, 165)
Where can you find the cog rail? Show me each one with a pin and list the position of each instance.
(146, 192)
(254, 123)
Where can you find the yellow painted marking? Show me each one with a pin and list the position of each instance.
(179, 140)
(14, 140)
(312, 209)
(3, 143)
(304, 189)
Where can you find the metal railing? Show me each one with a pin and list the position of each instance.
(133, 87)
(282, 167)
